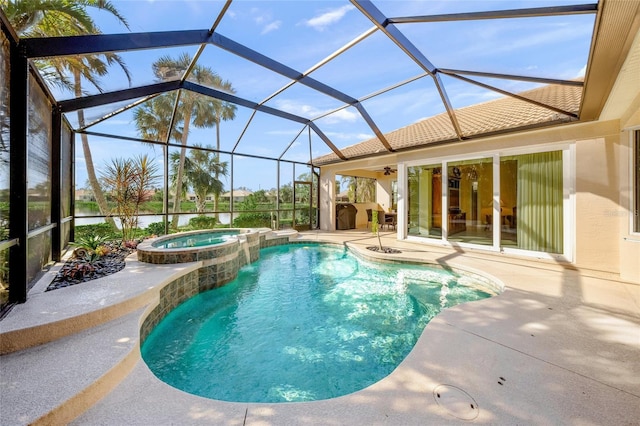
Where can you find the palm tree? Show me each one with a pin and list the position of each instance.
(224, 111)
(360, 189)
(46, 18)
(202, 169)
(193, 106)
(153, 120)
(49, 18)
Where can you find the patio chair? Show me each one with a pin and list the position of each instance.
(389, 220)
(488, 223)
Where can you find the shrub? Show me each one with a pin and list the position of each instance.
(202, 222)
(253, 220)
(155, 228)
(102, 229)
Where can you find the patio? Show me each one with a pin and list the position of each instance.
(558, 346)
(433, 115)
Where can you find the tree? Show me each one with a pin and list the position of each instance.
(153, 120)
(224, 111)
(49, 18)
(202, 170)
(193, 106)
(130, 183)
(286, 193)
(361, 190)
(38, 18)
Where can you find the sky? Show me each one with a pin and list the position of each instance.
(300, 34)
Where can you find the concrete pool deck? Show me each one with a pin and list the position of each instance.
(558, 346)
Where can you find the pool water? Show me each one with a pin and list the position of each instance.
(305, 322)
(196, 240)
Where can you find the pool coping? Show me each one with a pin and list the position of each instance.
(407, 394)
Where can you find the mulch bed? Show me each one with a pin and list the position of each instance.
(78, 271)
(387, 250)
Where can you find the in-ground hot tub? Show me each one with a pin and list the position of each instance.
(198, 239)
(221, 251)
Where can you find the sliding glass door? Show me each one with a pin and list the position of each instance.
(456, 201)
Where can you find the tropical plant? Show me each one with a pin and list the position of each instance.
(201, 170)
(375, 227)
(87, 245)
(78, 270)
(49, 18)
(130, 183)
(153, 122)
(224, 111)
(37, 18)
(193, 106)
(360, 190)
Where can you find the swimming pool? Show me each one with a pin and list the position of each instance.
(305, 322)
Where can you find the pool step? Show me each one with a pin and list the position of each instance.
(70, 374)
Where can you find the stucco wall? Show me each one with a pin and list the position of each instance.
(598, 211)
(603, 241)
(629, 241)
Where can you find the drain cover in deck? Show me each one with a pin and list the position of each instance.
(456, 402)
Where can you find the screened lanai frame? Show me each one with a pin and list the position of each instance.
(61, 227)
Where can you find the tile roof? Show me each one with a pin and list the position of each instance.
(492, 117)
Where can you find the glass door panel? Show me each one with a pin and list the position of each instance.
(531, 202)
(469, 212)
(425, 201)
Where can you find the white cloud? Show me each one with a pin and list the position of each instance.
(310, 111)
(271, 27)
(265, 20)
(294, 107)
(582, 72)
(341, 116)
(349, 137)
(322, 21)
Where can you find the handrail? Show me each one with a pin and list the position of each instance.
(41, 230)
(8, 244)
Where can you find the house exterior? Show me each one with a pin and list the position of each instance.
(566, 193)
(83, 194)
(239, 195)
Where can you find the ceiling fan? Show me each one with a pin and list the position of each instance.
(388, 170)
